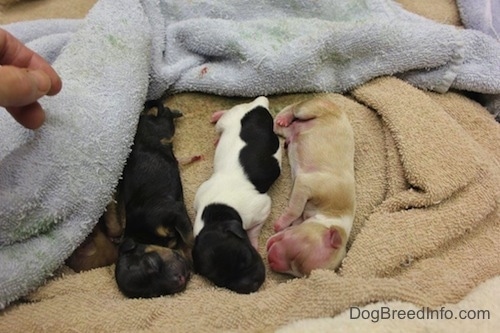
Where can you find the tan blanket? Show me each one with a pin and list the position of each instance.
(426, 231)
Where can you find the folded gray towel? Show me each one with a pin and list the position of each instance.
(482, 15)
(55, 182)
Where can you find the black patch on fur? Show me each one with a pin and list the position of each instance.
(223, 253)
(262, 143)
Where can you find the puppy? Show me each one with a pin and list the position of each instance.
(313, 230)
(232, 205)
(100, 248)
(155, 257)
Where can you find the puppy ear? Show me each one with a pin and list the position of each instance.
(127, 245)
(176, 113)
(234, 227)
(186, 234)
(334, 238)
(183, 224)
(153, 112)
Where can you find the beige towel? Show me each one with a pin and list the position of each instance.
(426, 230)
(475, 313)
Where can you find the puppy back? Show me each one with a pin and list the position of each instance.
(261, 144)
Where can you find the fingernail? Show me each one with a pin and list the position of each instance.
(41, 80)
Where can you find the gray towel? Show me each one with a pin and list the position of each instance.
(482, 15)
(55, 182)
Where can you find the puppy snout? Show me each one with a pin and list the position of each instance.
(181, 279)
(248, 286)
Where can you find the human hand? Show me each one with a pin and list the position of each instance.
(24, 77)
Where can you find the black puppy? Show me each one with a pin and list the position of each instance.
(233, 204)
(155, 257)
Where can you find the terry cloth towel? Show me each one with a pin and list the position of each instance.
(475, 313)
(482, 15)
(426, 229)
(55, 182)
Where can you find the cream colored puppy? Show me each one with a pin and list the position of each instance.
(313, 230)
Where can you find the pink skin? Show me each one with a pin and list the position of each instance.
(214, 119)
(279, 256)
(289, 126)
(300, 249)
(216, 116)
(189, 160)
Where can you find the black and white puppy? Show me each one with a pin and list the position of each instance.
(155, 258)
(233, 204)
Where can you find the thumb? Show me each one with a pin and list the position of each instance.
(20, 86)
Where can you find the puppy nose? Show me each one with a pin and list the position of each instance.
(181, 279)
(255, 286)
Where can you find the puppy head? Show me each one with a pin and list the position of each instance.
(157, 121)
(150, 270)
(299, 249)
(226, 257)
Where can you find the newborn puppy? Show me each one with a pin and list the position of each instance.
(155, 258)
(314, 228)
(232, 205)
(96, 251)
(100, 248)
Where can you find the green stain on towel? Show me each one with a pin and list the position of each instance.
(42, 227)
(116, 42)
(234, 48)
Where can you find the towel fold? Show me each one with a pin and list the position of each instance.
(482, 15)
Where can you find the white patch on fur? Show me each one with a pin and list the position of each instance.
(229, 184)
(345, 221)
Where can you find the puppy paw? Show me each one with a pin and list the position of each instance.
(287, 219)
(284, 119)
(189, 160)
(280, 224)
(216, 116)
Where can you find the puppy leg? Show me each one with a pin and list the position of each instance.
(114, 219)
(293, 119)
(283, 120)
(216, 116)
(254, 233)
(298, 199)
(214, 120)
(189, 160)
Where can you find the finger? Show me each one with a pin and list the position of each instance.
(30, 116)
(15, 53)
(19, 87)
